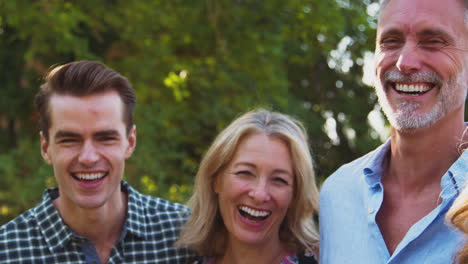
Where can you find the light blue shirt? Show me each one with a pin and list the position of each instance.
(349, 201)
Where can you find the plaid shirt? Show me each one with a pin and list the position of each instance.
(40, 236)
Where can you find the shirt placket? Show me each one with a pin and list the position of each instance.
(375, 200)
(415, 231)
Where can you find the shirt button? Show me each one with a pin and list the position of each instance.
(370, 210)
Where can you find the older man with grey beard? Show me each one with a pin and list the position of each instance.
(389, 206)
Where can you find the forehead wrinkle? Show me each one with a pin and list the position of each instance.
(435, 12)
(384, 3)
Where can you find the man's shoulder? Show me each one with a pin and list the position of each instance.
(156, 206)
(159, 222)
(23, 226)
(159, 205)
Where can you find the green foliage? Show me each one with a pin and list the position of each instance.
(24, 177)
(195, 66)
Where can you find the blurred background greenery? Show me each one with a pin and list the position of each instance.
(195, 66)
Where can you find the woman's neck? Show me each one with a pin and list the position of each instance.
(272, 253)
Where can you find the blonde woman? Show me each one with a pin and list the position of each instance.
(458, 213)
(255, 195)
(458, 216)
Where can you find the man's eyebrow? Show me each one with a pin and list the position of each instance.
(391, 32)
(107, 133)
(62, 134)
(435, 32)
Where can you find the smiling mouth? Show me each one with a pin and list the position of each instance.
(89, 177)
(412, 89)
(253, 214)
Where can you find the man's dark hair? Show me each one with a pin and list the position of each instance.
(82, 78)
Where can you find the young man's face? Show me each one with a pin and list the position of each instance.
(87, 148)
(420, 61)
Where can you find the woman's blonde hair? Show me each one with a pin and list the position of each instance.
(205, 232)
(458, 213)
(458, 217)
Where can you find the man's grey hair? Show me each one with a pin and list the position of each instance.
(384, 3)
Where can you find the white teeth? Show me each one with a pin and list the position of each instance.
(253, 212)
(89, 176)
(412, 88)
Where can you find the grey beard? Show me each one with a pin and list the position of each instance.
(405, 117)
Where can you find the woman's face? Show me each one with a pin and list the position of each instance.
(255, 190)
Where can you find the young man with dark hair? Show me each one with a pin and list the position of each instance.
(87, 133)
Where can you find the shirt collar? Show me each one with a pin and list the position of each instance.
(451, 183)
(51, 225)
(455, 179)
(57, 234)
(136, 223)
(373, 169)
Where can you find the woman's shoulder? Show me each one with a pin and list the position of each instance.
(308, 258)
(202, 260)
(290, 258)
(304, 258)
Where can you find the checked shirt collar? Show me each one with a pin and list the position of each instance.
(57, 234)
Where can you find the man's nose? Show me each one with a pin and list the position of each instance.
(88, 155)
(408, 60)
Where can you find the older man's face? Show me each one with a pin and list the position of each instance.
(421, 53)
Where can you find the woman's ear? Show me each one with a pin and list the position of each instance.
(216, 184)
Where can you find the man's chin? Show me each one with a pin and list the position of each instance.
(410, 122)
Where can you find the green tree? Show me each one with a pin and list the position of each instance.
(195, 66)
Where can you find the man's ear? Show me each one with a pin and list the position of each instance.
(45, 148)
(131, 142)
